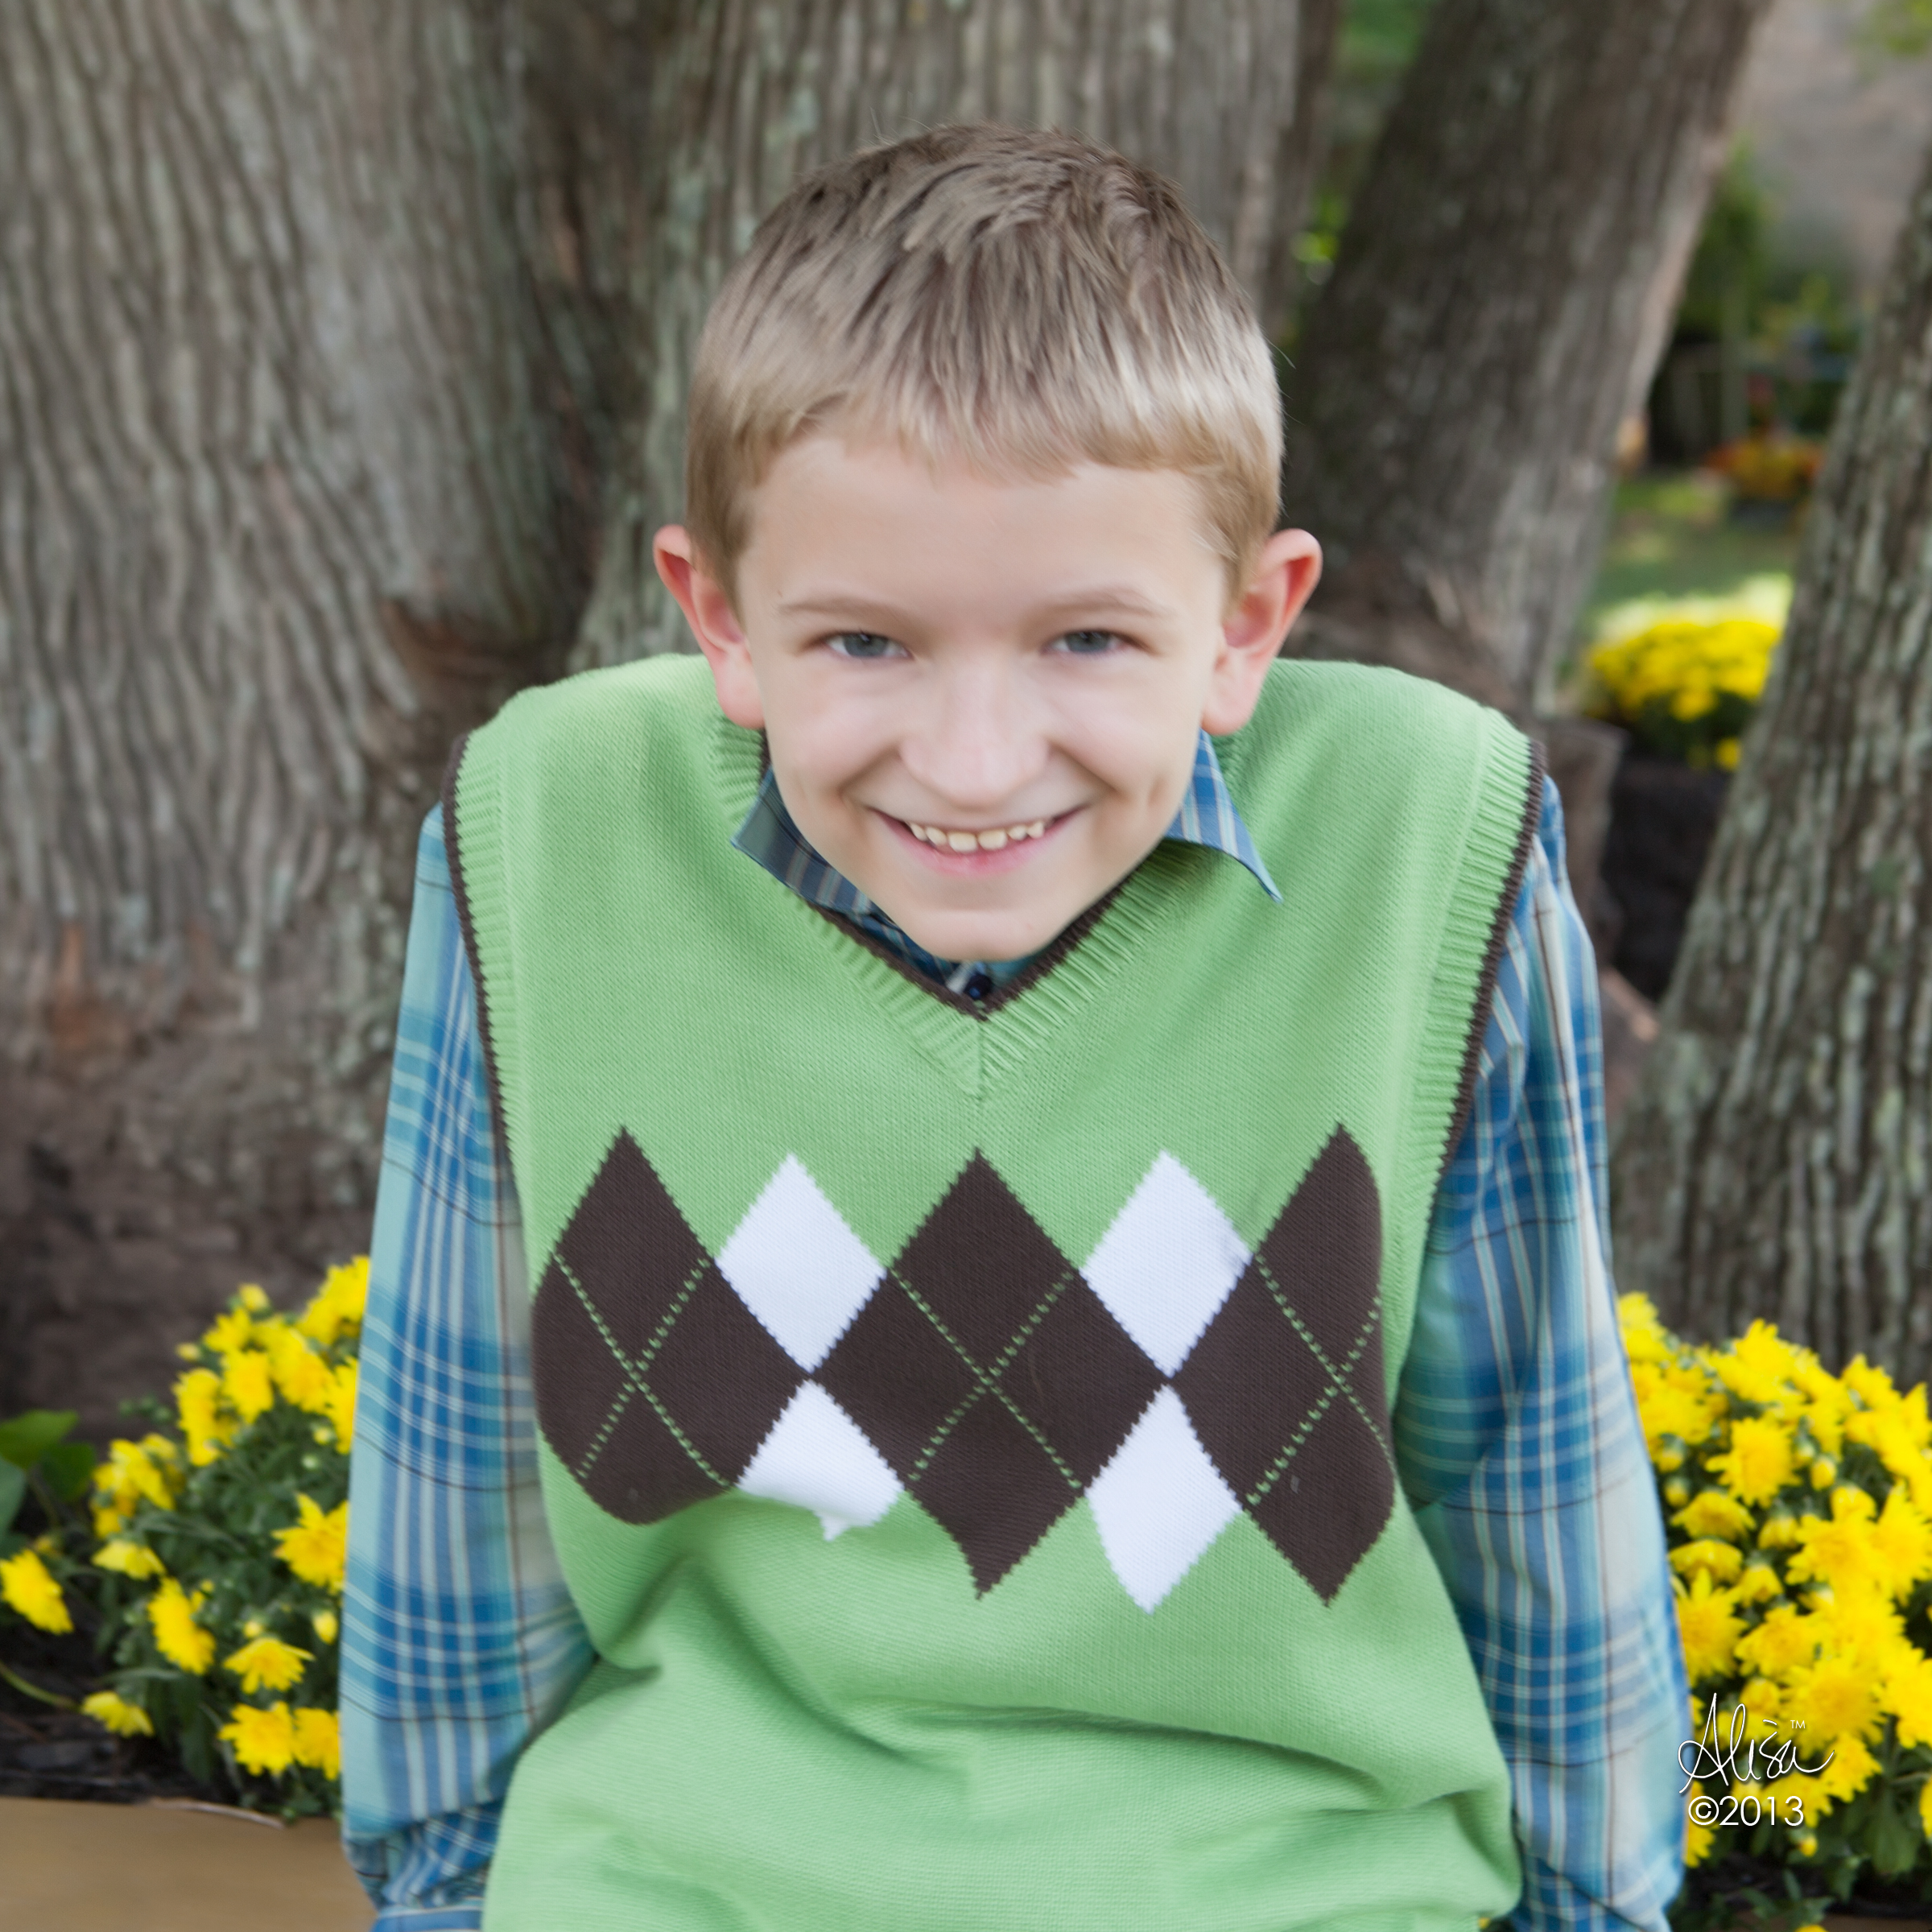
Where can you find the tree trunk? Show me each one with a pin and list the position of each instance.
(1502, 293)
(285, 490)
(342, 354)
(1775, 1160)
(1222, 98)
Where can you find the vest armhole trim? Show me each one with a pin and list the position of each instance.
(1492, 957)
(453, 847)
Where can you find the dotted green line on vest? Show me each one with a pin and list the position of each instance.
(632, 1372)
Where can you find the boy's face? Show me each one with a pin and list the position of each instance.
(981, 698)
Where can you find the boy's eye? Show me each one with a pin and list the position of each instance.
(1086, 643)
(862, 644)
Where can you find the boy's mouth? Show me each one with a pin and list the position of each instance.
(958, 850)
(943, 839)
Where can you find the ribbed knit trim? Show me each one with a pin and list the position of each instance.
(1492, 956)
(453, 847)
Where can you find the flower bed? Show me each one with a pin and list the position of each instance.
(214, 1571)
(1798, 1504)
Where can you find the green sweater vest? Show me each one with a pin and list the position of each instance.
(966, 1433)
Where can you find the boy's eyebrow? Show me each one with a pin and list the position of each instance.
(1102, 597)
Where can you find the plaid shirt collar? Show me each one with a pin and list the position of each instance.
(1206, 817)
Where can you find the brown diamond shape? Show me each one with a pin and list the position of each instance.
(1080, 1381)
(643, 1473)
(629, 1247)
(1285, 1428)
(1325, 1249)
(578, 1383)
(721, 1377)
(654, 1383)
(1249, 1384)
(994, 1490)
(981, 1263)
(898, 1378)
(1329, 1502)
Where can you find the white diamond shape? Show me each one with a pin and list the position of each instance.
(1160, 1502)
(819, 1457)
(798, 1267)
(1167, 1263)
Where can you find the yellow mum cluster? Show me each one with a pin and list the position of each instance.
(1687, 680)
(257, 1355)
(1799, 1505)
(265, 1412)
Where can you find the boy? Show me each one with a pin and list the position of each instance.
(1066, 1378)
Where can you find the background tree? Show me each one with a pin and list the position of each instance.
(1503, 289)
(1775, 1160)
(341, 385)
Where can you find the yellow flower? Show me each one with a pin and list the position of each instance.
(1712, 1512)
(301, 1374)
(1709, 1627)
(1758, 1584)
(326, 1625)
(147, 1470)
(1924, 1807)
(1840, 1549)
(337, 1309)
(246, 1383)
(198, 1401)
(1758, 1462)
(1721, 1561)
(317, 1547)
(130, 1559)
(267, 1664)
(342, 1404)
(1784, 1640)
(121, 1717)
(1697, 1838)
(234, 1331)
(1834, 1698)
(177, 1636)
(252, 1297)
(318, 1741)
(29, 1586)
(1908, 1696)
(264, 1740)
(1853, 1766)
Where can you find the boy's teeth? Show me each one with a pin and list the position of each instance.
(996, 841)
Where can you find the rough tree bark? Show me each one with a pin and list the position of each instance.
(285, 490)
(1501, 294)
(341, 353)
(1775, 1160)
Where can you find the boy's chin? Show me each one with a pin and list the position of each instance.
(954, 936)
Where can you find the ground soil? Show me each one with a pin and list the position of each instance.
(46, 1752)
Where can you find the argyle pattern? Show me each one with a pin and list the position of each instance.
(1174, 1380)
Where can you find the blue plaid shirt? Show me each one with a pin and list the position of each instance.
(1516, 1435)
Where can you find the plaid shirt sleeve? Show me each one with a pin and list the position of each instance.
(1515, 1431)
(1518, 1438)
(458, 1638)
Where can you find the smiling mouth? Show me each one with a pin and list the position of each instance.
(943, 838)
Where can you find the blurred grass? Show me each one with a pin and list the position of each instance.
(1674, 534)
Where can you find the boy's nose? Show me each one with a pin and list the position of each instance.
(977, 745)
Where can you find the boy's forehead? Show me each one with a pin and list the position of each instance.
(843, 486)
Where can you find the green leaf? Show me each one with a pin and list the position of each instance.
(27, 1438)
(69, 1468)
(13, 1486)
(1894, 1842)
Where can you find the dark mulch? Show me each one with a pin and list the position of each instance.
(47, 1752)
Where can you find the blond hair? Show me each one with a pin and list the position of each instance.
(1022, 302)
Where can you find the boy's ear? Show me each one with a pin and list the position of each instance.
(713, 623)
(1284, 579)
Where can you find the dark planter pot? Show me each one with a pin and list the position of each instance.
(1662, 817)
